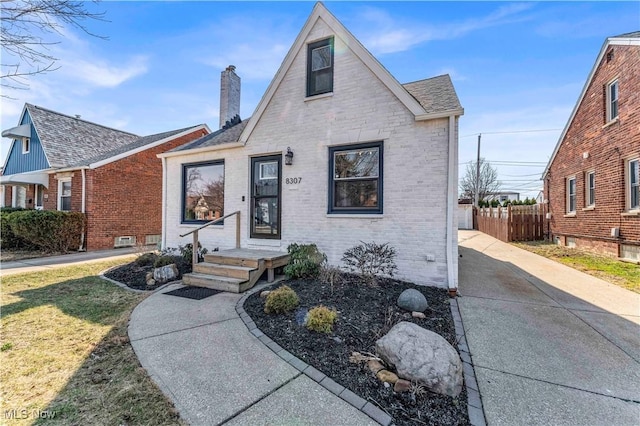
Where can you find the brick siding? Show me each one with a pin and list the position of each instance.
(609, 147)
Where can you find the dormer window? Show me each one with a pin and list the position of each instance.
(26, 145)
(320, 67)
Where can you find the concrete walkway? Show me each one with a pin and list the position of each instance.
(202, 355)
(44, 263)
(550, 345)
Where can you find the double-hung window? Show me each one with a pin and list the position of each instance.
(633, 184)
(64, 194)
(202, 192)
(590, 189)
(571, 195)
(612, 100)
(355, 179)
(320, 67)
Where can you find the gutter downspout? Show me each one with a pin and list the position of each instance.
(452, 234)
(164, 203)
(83, 207)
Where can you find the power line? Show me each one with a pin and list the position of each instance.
(510, 132)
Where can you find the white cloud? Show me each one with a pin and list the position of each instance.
(390, 35)
(99, 72)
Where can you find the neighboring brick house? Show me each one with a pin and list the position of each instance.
(59, 162)
(592, 179)
(371, 160)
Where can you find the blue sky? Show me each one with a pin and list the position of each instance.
(516, 66)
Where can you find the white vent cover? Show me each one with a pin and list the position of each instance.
(126, 241)
(152, 239)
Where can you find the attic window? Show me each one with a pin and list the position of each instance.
(26, 145)
(320, 67)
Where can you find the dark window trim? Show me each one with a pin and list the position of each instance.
(362, 210)
(185, 166)
(327, 41)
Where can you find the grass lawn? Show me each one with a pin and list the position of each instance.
(623, 274)
(65, 353)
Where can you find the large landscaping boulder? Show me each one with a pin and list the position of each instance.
(423, 356)
(412, 300)
(166, 273)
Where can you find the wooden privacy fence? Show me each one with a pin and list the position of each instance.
(512, 223)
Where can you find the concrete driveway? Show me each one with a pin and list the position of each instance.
(550, 345)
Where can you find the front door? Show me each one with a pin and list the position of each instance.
(265, 196)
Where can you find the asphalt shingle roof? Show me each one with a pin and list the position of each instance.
(224, 135)
(72, 142)
(435, 94)
(634, 34)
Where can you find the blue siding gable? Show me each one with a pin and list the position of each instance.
(36, 159)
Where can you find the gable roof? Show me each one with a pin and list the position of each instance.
(320, 12)
(69, 140)
(627, 39)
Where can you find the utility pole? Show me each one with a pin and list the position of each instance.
(477, 185)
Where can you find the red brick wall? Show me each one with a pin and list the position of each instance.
(608, 147)
(125, 197)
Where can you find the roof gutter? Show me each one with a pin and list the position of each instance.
(444, 114)
(199, 150)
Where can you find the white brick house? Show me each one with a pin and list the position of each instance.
(373, 160)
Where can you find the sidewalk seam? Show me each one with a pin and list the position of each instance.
(561, 385)
(370, 410)
(184, 329)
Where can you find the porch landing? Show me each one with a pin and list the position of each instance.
(235, 270)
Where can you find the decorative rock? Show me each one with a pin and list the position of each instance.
(423, 356)
(418, 315)
(265, 293)
(149, 276)
(375, 366)
(412, 300)
(402, 385)
(166, 273)
(151, 282)
(387, 376)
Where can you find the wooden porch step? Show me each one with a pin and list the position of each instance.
(233, 285)
(225, 270)
(235, 270)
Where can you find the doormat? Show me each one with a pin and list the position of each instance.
(195, 293)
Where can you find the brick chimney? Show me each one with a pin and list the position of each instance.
(229, 95)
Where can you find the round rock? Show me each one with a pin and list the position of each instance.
(412, 300)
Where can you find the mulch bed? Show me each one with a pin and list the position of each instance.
(365, 314)
(134, 275)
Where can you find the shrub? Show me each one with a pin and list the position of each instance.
(49, 230)
(305, 261)
(321, 319)
(165, 260)
(186, 252)
(371, 260)
(146, 259)
(331, 275)
(281, 300)
(9, 240)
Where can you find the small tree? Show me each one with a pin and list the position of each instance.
(487, 184)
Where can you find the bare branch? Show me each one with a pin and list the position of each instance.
(25, 27)
(487, 184)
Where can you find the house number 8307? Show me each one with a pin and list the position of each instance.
(293, 180)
